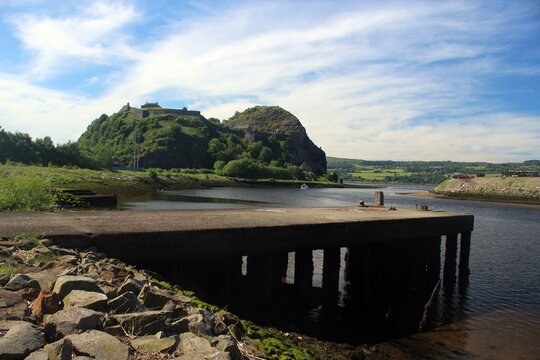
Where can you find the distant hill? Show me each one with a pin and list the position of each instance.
(180, 138)
(419, 172)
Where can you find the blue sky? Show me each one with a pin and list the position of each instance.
(398, 80)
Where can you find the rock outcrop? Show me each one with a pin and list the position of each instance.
(261, 122)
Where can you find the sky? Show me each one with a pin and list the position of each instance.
(374, 80)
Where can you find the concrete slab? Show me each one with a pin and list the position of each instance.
(187, 233)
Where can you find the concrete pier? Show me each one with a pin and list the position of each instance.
(391, 254)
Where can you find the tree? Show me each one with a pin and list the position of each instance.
(265, 155)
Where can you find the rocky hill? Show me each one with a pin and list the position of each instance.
(262, 122)
(173, 138)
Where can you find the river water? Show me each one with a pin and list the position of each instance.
(496, 316)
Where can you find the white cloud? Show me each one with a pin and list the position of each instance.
(91, 36)
(42, 112)
(358, 77)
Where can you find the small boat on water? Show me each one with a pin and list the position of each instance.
(304, 187)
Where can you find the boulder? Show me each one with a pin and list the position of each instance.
(182, 325)
(68, 259)
(65, 284)
(29, 294)
(87, 299)
(41, 255)
(47, 302)
(108, 289)
(143, 323)
(73, 320)
(202, 323)
(5, 325)
(46, 279)
(126, 303)
(115, 330)
(155, 298)
(228, 345)
(99, 345)
(63, 251)
(220, 328)
(21, 281)
(38, 355)
(130, 284)
(59, 350)
(152, 344)
(11, 304)
(196, 347)
(4, 279)
(20, 341)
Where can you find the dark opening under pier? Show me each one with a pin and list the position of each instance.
(376, 264)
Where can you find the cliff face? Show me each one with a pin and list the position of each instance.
(262, 122)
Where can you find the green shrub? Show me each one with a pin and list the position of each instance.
(24, 193)
(67, 200)
(152, 173)
(244, 168)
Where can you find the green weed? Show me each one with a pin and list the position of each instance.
(24, 193)
(33, 239)
(8, 269)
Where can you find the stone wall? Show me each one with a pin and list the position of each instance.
(144, 113)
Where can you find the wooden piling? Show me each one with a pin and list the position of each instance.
(464, 252)
(303, 272)
(450, 259)
(330, 278)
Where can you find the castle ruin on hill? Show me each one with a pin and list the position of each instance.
(152, 109)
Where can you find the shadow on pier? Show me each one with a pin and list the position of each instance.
(369, 292)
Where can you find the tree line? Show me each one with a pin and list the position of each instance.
(20, 147)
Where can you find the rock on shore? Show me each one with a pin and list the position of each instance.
(82, 305)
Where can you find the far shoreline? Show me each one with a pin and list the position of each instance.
(430, 195)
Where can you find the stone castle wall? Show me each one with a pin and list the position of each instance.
(144, 113)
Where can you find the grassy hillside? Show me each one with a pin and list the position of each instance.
(24, 187)
(166, 141)
(515, 189)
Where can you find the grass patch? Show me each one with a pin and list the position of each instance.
(24, 193)
(44, 258)
(8, 269)
(274, 346)
(33, 239)
(121, 183)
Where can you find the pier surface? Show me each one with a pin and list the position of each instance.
(242, 257)
(187, 233)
